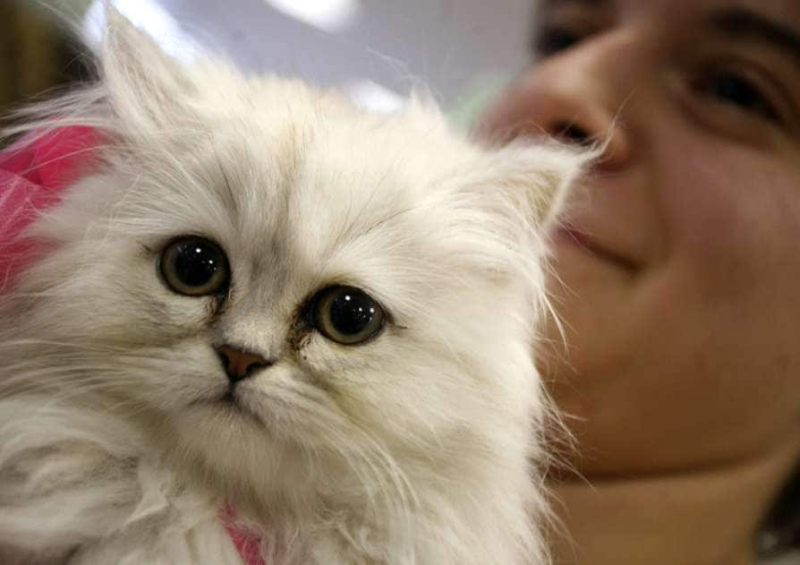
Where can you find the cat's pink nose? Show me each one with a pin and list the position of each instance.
(240, 364)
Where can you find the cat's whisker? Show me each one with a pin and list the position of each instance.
(79, 347)
(59, 393)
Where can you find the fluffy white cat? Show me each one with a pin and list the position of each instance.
(263, 299)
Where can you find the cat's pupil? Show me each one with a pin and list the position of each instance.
(347, 315)
(351, 312)
(196, 264)
(195, 267)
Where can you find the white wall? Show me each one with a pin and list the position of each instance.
(455, 46)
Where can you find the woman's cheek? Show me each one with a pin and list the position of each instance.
(720, 220)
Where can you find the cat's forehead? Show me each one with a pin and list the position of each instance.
(322, 171)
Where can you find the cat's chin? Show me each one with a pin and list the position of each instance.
(237, 447)
(221, 424)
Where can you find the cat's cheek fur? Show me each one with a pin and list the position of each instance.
(408, 380)
(112, 303)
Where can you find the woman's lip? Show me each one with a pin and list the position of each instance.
(573, 236)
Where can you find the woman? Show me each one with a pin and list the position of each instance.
(677, 273)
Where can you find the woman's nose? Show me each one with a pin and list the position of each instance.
(575, 97)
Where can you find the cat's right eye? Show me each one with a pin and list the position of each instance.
(195, 266)
(347, 315)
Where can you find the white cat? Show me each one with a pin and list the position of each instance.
(264, 299)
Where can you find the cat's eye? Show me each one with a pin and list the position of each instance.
(195, 266)
(347, 315)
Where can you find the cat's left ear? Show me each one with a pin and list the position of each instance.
(535, 178)
(145, 86)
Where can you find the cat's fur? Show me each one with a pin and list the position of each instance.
(413, 448)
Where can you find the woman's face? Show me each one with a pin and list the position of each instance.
(678, 269)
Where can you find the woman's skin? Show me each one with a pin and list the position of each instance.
(677, 275)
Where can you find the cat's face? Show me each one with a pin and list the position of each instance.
(378, 277)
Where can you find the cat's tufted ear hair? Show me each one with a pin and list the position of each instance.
(144, 85)
(534, 178)
(422, 100)
(422, 106)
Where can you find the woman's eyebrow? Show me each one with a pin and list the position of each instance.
(747, 25)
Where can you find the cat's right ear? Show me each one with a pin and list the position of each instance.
(145, 86)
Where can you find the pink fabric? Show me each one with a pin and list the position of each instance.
(246, 543)
(32, 176)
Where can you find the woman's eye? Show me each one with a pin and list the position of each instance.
(195, 266)
(736, 89)
(552, 40)
(347, 315)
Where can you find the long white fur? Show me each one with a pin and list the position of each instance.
(421, 447)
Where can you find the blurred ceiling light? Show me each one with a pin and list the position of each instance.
(374, 97)
(147, 15)
(328, 15)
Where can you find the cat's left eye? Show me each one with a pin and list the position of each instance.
(347, 315)
(195, 266)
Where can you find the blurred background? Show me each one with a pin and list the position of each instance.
(375, 50)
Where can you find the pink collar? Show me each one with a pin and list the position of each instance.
(247, 543)
(33, 175)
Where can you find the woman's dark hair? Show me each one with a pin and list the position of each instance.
(781, 528)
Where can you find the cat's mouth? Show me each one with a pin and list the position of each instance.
(231, 402)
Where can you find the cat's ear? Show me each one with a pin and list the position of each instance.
(422, 102)
(145, 86)
(535, 178)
